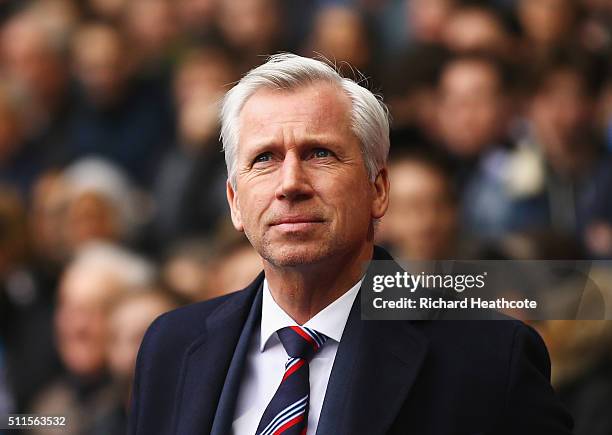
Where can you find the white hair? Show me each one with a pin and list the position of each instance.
(286, 71)
(124, 267)
(100, 176)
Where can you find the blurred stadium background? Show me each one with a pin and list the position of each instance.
(112, 197)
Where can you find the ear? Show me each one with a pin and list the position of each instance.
(232, 200)
(380, 188)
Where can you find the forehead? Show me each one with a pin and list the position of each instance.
(316, 109)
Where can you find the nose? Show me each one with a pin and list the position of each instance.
(294, 183)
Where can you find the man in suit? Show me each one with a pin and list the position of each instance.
(306, 154)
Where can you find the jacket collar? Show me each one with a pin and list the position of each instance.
(375, 368)
(210, 360)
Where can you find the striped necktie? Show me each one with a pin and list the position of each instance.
(287, 412)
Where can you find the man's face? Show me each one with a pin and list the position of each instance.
(303, 193)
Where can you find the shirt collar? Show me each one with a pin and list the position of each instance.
(330, 321)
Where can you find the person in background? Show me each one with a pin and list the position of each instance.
(19, 165)
(151, 29)
(197, 18)
(478, 28)
(411, 86)
(473, 107)
(102, 204)
(117, 115)
(576, 171)
(26, 307)
(187, 270)
(250, 28)
(50, 198)
(547, 25)
(189, 188)
(340, 34)
(559, 178)
(201, 270)
(128, 316)
(33, 67)
(422, 221)
(6, 399)
(108, 10)
(581, 356)
(236, 265)
(98, 274)
(427, 19)
(475, 114)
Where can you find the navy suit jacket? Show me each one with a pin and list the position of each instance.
(389, 377)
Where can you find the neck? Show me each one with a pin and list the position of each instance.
(305, 290)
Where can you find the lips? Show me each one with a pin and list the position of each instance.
(295, 220)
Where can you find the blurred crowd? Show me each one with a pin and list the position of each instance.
(112, 179)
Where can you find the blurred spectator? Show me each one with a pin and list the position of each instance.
(103, 204)
(411, 92)
(196, 18)
(189, 188)
(19, 164)
(557, 179)
(252, 27)
(473, 107)
(340, 34)
(596, 28)
(47, 222)
(547, 25)
(582, 370)
(421, 223)
(117, 116)
(152, 32)
(187, 270)
(26, 304)
(128, 317)
(6, 401)
(203, 270)
(107, 10)
(478, 29)
(236, 266)
(427, 19)
(59, 18)
(100, 64)
(34, 67)
(578, 174)
(97, 275)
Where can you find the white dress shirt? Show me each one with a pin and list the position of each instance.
(265, 365)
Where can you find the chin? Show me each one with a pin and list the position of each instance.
(295, 254)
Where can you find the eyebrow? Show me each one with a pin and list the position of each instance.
(270, 145)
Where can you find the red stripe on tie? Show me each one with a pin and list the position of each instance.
(293, 368)
(304, 431)
(305, 336)
(290, 423)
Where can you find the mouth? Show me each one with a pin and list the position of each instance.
(296, 223)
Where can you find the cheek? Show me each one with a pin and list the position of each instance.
(351, 202)
(253, 205)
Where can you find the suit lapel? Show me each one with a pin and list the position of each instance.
(375, 367)
(207, 361)
(222, 424)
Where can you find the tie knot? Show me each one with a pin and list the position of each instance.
(301, 342)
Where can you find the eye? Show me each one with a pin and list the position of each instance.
(263, 157)
(321, 153)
